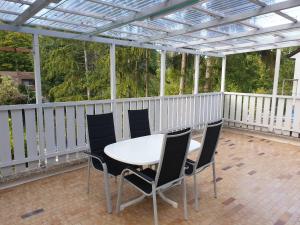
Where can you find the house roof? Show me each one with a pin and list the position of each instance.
(209, 27)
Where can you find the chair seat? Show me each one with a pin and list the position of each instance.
(189, 166)
(114, 167)
(141, 184)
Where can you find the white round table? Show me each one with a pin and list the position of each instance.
(141, 151)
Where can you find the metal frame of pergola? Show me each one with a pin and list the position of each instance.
(200, 27)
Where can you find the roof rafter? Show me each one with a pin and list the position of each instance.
(269, 30)
(258, 44)
(151, 12)
(32, 10)
(85, 37)
(262, 4)
(231, 19)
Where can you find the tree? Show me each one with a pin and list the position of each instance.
(9, 93)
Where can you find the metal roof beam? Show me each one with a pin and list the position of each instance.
(151, 12)
(269, 30)
(221, 16)
(258, 44)
(32, 10)
(263, 48)
(262, 4)
(231, 19)
(84, 37)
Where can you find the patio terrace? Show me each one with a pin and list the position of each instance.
(258, 184)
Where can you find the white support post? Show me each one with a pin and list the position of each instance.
(223, 84)
(38, 97)
(223, 74)
(196, 90)
(275, 87)
(162, 86)
(113, 72)
(196, 78)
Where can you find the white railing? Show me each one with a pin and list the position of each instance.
(64, 130)
(253, 111)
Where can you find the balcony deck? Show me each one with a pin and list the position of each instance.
(258, 184)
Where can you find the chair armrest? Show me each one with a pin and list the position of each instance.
(94, 156)
(139, 174)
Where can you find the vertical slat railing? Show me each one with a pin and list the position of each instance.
(65, 125)
(253, 111)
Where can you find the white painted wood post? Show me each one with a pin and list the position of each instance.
(275, 87)
(113, 88)
(196, 91)
(223, 74)
(196, 78)
(162, 86)
(39, 98)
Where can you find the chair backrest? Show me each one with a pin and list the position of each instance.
(173, 157)
(179, 131)
(101, 132)
(139, 123)
(209, 143)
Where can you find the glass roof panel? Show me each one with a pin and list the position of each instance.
(95, 8)
(190, 16)
(121, 35)
(270, 2)
(206, 34)
(293, 12)
(12, 6)
(165, 24)
(71, 18)
(264, 20)
(58, 25)
(234, 28)
(7, 17)
(229, 7)
(137, 5)
(138, 30)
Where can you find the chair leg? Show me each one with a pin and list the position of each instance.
(107, 192)
(214, 178)
(196, 192)
(88, 175)
(120, 189)
(154, 205)
(184, 200)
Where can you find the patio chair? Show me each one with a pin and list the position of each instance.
(139, 123)
(170, 172)
(101, 132)
(206, 156)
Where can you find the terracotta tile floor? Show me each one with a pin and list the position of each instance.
(258, 184)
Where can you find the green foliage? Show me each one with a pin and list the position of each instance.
(67, 75)
(9, 93)
(10, 61)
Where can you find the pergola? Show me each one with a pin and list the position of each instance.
(201, 27)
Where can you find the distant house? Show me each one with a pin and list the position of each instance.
(25, 78)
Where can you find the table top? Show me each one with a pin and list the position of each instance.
(141, 151)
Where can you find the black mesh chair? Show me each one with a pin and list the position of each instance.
(206, 156)
(139, 123)
(101, 132)
(170, 172)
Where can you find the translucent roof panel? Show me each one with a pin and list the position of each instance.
(234, 28)
(190, 16)
(293, 12)
(229, 7)
(269, 20)
(12, 6)
(209, 26)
